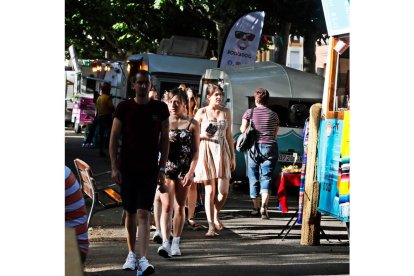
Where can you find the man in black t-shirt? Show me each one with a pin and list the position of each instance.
(143, 126)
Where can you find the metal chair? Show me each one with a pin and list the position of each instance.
(104, 194)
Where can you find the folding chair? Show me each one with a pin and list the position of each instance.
(102, 193)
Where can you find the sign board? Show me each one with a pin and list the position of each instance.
(332, 148)
(336, 16)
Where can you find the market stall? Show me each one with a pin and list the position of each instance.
(328, 169)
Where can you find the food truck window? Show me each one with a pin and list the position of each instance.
(292, 113)
(298, 112)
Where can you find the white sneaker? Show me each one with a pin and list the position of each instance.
(157, 237)
(175, 249)
(130, 262)
(145, 267)
(164, 250)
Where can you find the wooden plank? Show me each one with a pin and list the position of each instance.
(311, 217)
(73, 264)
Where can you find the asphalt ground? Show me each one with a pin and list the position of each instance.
(247, 246)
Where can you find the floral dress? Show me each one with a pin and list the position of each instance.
(180, 154)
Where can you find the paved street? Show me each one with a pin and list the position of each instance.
(247, 246)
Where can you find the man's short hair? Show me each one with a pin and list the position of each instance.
(144, 73)
(106, 88)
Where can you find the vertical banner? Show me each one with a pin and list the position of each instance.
(305, 135)
(242, 40)
(329, 170)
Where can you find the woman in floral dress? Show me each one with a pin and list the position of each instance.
(179, 171)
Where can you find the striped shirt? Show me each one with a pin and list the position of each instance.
(75, 210)
(265, 122)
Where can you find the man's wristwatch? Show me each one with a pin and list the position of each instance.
(162, 169)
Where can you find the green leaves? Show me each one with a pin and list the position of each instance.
(120, 27)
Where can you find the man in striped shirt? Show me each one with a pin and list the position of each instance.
(75, 212)
(263, 155)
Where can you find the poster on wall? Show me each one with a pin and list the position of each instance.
(333, 198)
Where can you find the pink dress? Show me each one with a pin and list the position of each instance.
(214, 152)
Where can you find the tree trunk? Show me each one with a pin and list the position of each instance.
(282, 51)
(309, 47)
(222, 27)
(221, 32)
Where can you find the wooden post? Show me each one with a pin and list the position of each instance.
(73, 263)
(310, 217)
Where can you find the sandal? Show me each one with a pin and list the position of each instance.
(211, 234)
(193, 225)
(219, 226)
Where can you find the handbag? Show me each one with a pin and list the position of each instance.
(246, 140)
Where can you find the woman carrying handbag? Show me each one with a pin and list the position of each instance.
(263, 155)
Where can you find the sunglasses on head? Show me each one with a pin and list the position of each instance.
(243, 35)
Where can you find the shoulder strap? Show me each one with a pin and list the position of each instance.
(205, 112)
(189, 124)
(251, 114)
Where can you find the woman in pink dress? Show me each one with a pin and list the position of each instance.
(216, 157)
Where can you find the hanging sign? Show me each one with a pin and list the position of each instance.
(336, 16)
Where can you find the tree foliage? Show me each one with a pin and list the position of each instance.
(121, 27)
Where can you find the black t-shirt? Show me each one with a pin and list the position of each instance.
(141, 128)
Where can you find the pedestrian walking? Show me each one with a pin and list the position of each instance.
(143, 126)
(104, 110)
(192, 108)
(262, 156)
(216, 157)
(184, 137)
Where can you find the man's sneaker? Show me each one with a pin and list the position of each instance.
(157, 237)
(145, 267)
(175, 249)
(130, 262)
(164, 250)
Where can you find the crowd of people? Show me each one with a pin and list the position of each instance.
(163, 147)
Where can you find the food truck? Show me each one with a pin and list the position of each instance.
(179, 59)
(292, 92)
(89, 75)
(169, 71)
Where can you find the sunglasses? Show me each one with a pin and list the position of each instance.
(243, 35)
